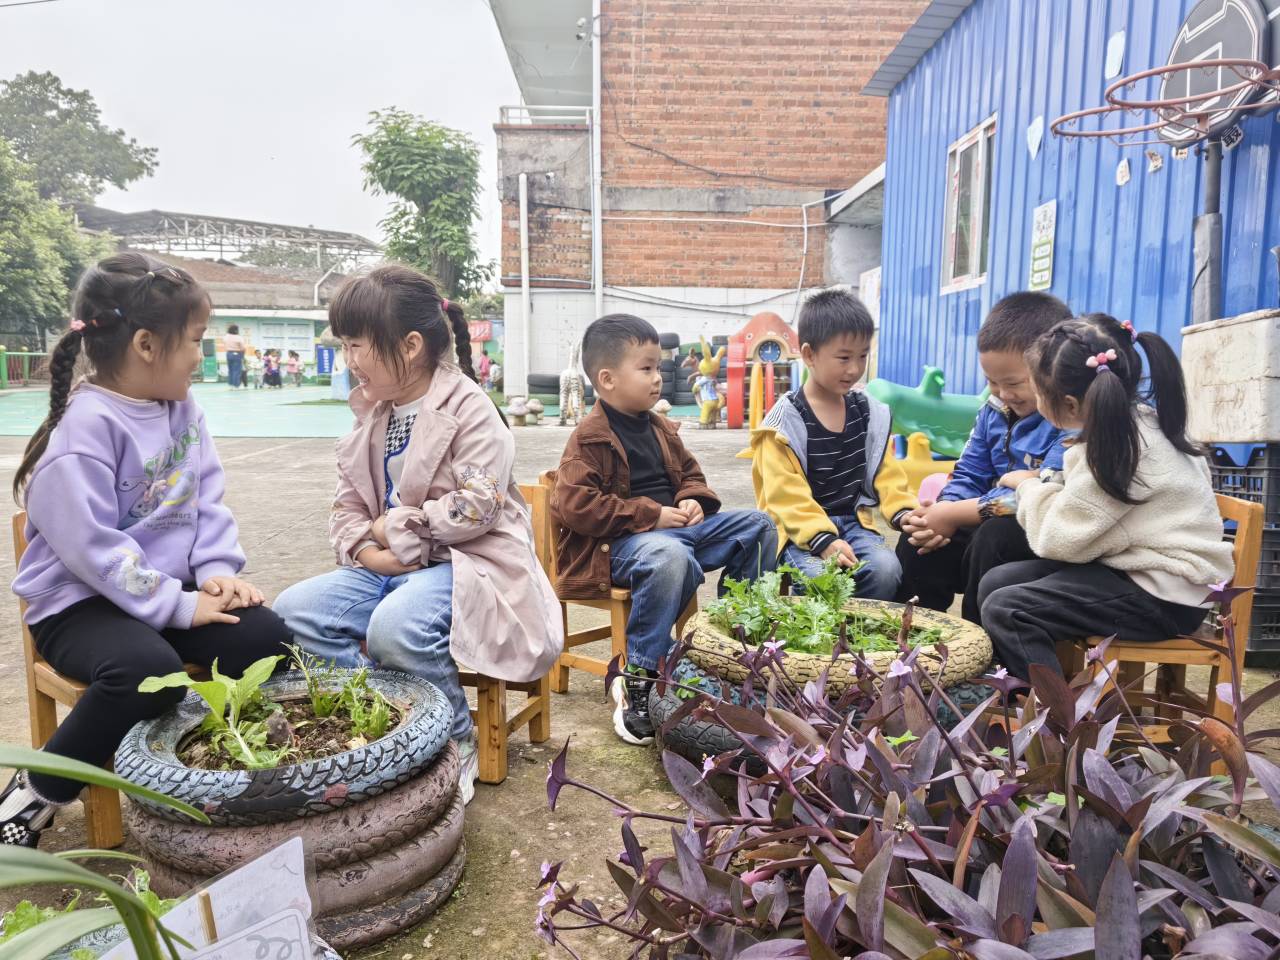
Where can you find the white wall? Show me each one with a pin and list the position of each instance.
(558, 318)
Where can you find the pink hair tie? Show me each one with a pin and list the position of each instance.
(444, 304)
(1132, 332)
(1099, 363)
(76, 326)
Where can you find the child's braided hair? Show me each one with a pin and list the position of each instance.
(115, 299)
(1094, 360)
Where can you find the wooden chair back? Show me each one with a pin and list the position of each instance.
(539, 497)
(1249, 518)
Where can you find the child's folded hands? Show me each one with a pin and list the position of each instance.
(234, 592)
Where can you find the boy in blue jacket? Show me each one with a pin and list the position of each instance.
(947, 546)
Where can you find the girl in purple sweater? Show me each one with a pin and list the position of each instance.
(134, 560)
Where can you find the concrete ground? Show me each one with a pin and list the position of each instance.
(280, 491)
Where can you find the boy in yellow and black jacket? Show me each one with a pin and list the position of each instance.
(820, 460)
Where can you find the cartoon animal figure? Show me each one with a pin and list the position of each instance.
(135, 579)
(171, 490)
(705, 390)
(944, 418)
(571, 387)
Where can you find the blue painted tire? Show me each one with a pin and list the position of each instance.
(237, 798)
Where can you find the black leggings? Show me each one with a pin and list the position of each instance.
(935, 578)
(97, 643)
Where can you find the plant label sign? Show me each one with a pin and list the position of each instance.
(283, 936)
(260, 891)
(1044, 221)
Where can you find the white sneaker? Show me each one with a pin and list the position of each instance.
(468, 767)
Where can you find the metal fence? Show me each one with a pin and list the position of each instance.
(20, 369)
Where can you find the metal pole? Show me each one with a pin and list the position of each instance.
(1206, 284)
(524, 284)
(597, 174)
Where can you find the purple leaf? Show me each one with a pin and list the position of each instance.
(633, 851)
(774, 950)
(871, 955)
(1001, 681)
(1103, 780)
(687, 782)
(1267, 920)
(1053, 692)
(1065, 942)
(692, 880)
(741, 720)
(1017, 898)
(1001, 796)
(556, 776)
(1184, 885)
(550, 871)
(813, 940)
(1118, 933)
(1096, 654)
(1226, 877)
(996, 950)
(1268, 776)
(1225, 592)
(612, 673)
(817, 895)
(963, 912)
(1229, 940)
(869, 902)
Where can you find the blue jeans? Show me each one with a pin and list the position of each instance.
(402, 621)
(663, 568)
(882, 572)
(235, 367)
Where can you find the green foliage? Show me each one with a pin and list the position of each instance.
(434, 172)
(41, 254)
(284, 256)
(368, 710)
(319, 676)
(26, 915)
(59, 133)
(810, 623)
(238, 712)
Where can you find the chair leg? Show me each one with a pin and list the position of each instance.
(559, 672)
(104, 825)
(1171, 684)
(491, 729)
(43, 710)
(540, 723)
(619, 613)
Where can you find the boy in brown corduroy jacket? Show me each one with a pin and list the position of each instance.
(634, 510)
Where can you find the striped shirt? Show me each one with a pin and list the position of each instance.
(837, 461)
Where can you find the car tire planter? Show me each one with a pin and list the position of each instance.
(696, 739)
(382, 823)
(234, 798)
(968, 650)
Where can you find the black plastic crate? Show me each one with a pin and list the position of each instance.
(1249, 471)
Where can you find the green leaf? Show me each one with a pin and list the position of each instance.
(40, 941)
(38, 761)
(1242, 838)
(255, 675)
(903, 931)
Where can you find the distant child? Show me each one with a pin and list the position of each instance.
(293, 367)
(133, 562)
(434, 541)
(256, 369)
(483, 370)
(271, 370)
(233, 344)
(820, 459)
(1130, 536)
(948, 546)
(638, 513)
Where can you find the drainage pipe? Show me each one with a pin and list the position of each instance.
(597, 189)
(524, 283)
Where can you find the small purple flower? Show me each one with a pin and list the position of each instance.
(899, 669)
(708, 766)
(550, 871)
(546, 932)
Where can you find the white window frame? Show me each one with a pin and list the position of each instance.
(983, 137)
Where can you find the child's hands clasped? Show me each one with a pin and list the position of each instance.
(234, 592)
(671, 518)
(1016, 477)
(692, 512)
(843, 553)
(383, 562)
(213, 609)
(931, 526)
(379, 532)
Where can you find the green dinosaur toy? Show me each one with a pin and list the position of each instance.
(945, 418)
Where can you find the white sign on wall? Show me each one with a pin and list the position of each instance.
(1044, 220)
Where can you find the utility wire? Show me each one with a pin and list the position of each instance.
(25, 3)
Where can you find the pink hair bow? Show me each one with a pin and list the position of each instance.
(77, 326)
(1099, 362)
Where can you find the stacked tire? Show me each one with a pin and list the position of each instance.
(382, 823)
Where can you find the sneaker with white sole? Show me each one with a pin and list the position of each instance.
(468, 767)
(631, 721)
(23, 814)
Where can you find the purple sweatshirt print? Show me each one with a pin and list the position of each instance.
(126, 503)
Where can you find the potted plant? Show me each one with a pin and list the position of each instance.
(356, 762)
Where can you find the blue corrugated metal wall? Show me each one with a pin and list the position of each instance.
(1125, 250)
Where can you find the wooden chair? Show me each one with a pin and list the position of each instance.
(1172, 657)
(493, 728)
(46, 688)
(618, 605)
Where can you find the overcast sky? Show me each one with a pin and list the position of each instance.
(253, 103)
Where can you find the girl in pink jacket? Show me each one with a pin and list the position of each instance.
(433, 540)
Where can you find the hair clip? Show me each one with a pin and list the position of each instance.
(1132, 332)
(151, 274)
(118, 312)
(1098, 363)
(76, 326)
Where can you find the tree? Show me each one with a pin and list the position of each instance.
(434, 172)
(57, 131)
(41, 256)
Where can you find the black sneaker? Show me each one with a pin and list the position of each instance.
(23, 815)
(631, 714)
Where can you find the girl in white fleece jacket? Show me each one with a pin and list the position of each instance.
(1131, 538)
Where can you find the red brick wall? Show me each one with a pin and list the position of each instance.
(735, 97)
(559, 244)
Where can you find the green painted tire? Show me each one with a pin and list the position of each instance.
(968, 650)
